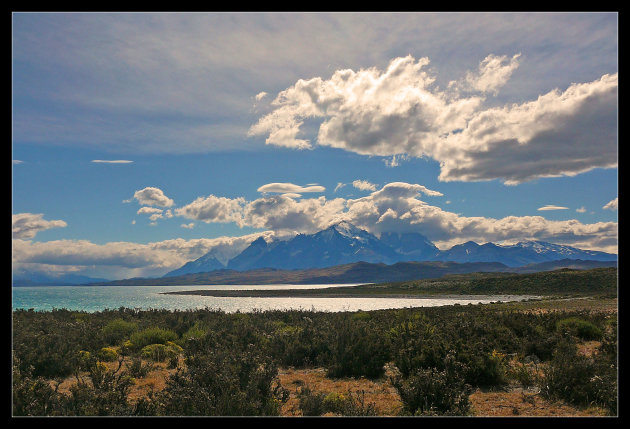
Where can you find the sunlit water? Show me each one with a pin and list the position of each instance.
(98, 298)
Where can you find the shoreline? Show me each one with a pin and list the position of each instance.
(290, 293)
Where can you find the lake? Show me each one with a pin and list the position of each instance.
(98, 298)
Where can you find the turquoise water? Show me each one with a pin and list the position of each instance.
(98, 298)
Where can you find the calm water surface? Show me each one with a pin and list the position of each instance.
(97, 298)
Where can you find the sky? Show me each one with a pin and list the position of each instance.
(141, 141)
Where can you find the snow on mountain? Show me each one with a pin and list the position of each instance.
(344, 243)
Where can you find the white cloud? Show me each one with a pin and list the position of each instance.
(148, 210)
(214, 209)
(17, 161)
(190, 225)
(492, 73)
(612, 205)
(113, 161)
(339, 186)
(260, 95)
(285, 215)
(396, 159)
(124, 259)
(151, 196)
(398, 207)
(400, 111)
(581, 210)
(27, 225)
(292, 195)
(364, 185)
(552, 207)
(155, 217)
(289, 188)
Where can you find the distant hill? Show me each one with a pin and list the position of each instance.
(573, 264)
(38, 279)
(358, 272)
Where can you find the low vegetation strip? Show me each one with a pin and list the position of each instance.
(433, 359)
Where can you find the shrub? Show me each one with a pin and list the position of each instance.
(223, 382)
(152, 336)
(117, 330)
(356, 351)
(195, 332)
(310, 403)
(580, 328)
(349, 404)
(138, 369)
(108, 354)
(580, 380)
(435, 392)
(161, 352)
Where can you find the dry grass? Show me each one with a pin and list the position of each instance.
(379, 392)
(595, 305)
(520, 402)
(514, 401)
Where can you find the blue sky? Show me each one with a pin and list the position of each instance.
(143, 140)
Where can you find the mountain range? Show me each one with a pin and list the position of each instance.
(344, 243)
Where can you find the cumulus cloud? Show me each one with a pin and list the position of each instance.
(260, 95)
(112, 161)
(612, 205)
(364, 185)
(399, 207)
(581, 210)
(551, 207)
(27, 225)
(493, 73)
(289, 188)
(190, 225)
(285, 215)
(124, 259)
(151, 196)
(400, 112)
(214, 209)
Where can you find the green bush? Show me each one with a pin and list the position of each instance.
(356, 351)
(352, 405)
(161, 352)
(435, 392)
(580, 328)
(117, 330)
(310, 403)
(219, 381)
(580, 380)
(149, 336)
(108, 354)
(138, 369)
